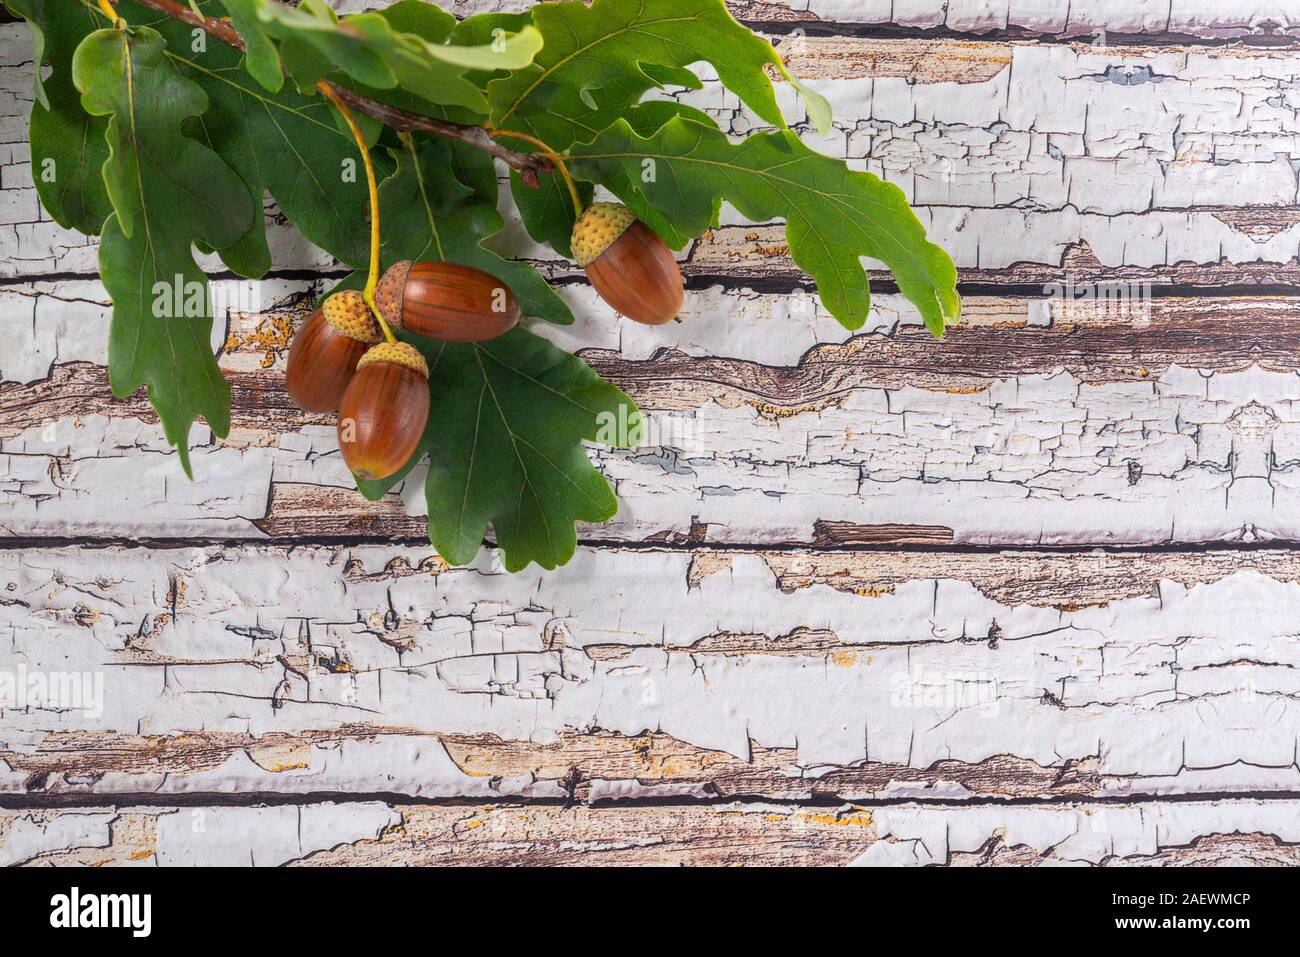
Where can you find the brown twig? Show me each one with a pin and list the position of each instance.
(527, 165)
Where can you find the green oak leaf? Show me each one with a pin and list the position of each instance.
(481, 30)
(505, 448)
(37, 13)
(598, 61)
(547, 209)
(590, 68)
(261, 56)
(250, 256)
(440, 204)
(834, 215)
(68, 146)
(312, 45)
(287, 127)
(648, 117)
(168, 192)
(307, 64)
(461, 100)
(505, 438)
(286, 143)
(404, 47)
(434, 81)
(818, 107)
(510, 43)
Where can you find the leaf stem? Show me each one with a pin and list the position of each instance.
(528, 165)
(107, 9)
(556, 160)
(372, 278)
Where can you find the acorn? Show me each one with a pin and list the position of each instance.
(446, 301)
(384, 410)
(326, 349)
(630, 266)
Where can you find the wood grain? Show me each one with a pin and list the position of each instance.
(312, 669)
(1120, 20)
(830, 624)
(576, 767)
(1243, 833)
(1038, 421)
(1164, 164)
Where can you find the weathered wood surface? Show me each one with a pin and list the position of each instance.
(1250, 833)
(1038, 421)
(1274, 21)
(1167, 164)
(679, 673)
(825, 627)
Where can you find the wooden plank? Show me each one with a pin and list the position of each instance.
(707, 693)
(216, 836)
(1253, 833)
(1168, 164)
(1120, 19)
(576, 767)
(1038, 421)
(1204, 19)
(704, 673)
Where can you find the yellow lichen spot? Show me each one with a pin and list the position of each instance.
(872, 591)
(270, 337)
(854, 818)
(288, 766)
(775, 413)
(844, 659)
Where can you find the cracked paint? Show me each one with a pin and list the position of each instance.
(828, 582)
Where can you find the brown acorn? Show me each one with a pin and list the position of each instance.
(326, 349)
(630, 266)
(446, 301)
(384, 410)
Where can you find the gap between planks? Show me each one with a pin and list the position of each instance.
(192, 799)
(978, 285)
(884, 544)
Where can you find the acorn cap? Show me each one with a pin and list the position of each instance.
(597, 229)
(398, 353)
(389, 292)
(347, 312)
